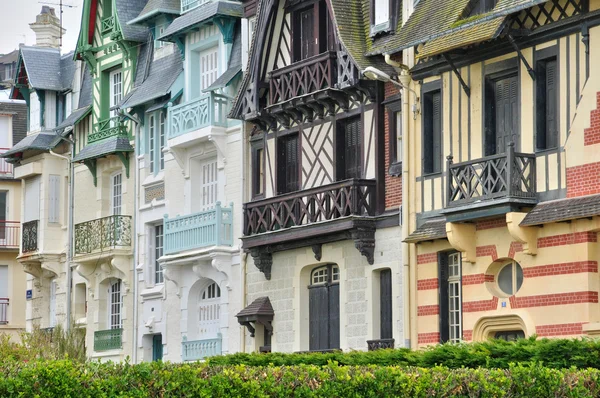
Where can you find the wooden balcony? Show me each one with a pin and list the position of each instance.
(490, 186)
(107, 25)
(338, 211)
(213, 227)
(209, 109)
(111, 127)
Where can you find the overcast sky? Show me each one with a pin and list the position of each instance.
(16, 15)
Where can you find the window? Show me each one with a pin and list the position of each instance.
(304, 34)
(209, 311)
(156, 141)
(52, 315)
(68, 104)
(348, 149)
(115, 301)
(510, 335)
(159, 30)
(54, 198)
(381, 11)
(432, 132)
(3, 283)
(481, 7)
(209, 67)
(324, 308)
(3, 215)
(510, 278)
(385, 304)
(32, 199)
(116, 194)
(161, 140)
(158, 252)
(152, 149)
(258, 169)
(501, 113)
(209, 184)
(546, 104)
(288, 164)
(394, 137)
(450, 296)
(116, 89)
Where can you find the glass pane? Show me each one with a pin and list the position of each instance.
(519, 272)
(505, 279)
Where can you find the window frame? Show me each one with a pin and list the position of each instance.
(384, 26)
(112, 97)
(543, 56)
(257, 149)
(111, 304)
(428, 90)
(113, 207)
(393, 106)
(514, 273)
(156, 140)
(158, 251)
(444, 280)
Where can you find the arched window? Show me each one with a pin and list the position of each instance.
(324, 308)
(209, 311)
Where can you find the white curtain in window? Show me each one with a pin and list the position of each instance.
(382, 11)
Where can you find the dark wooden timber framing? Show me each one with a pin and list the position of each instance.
(457, 73)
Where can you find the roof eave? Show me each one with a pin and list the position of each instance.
(152, 14)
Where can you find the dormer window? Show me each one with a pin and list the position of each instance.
(380, 16)
(482, 6)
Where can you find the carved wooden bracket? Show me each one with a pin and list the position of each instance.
(263, 260)
(364, 241)
(318, 251)
(526, 235)
(462, 238)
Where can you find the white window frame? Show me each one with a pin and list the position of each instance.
(454, 298)
(156, 140)
(209, 311)
(209, 66)
(210, 189)
(115, 308)
(116, 193)
(152, 139)
(158, 249)
(158, 43)
(116, 89)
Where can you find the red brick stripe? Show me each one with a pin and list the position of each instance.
(489, 250)
(514, 248)
(481, 305)
(475, 279)
(489, 278)
(427, 284)
(428, 338)
(561, 269)
(564, 329)
(467, 335)
(425, 310)
(489, 224)
(592, 134)
(544, 300)
(583, 180)
(567, 239)
(427, 258)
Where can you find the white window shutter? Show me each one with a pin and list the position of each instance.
(32, 199)
(382, 11)
(3, 281)
(54, 199)
(209, 184)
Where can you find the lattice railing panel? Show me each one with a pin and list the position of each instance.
(548, 12)
(102, 233)
(30, 236)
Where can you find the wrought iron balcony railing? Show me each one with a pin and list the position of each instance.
(9, 234)
(107, 25)
(200, 349)
(207, 110)
(303, 77)
(103, 233)
(380, 344)
(325, 203)
(3, 310)
(111, 339)
(208, 228)
(106, 128)
(505, 175)
(30, 236)
(6, 169)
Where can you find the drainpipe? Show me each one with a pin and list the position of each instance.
(244, 256)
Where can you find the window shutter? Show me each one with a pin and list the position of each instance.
(443, 296)
(54, 198)
(490, 119)
(32, 199)
(291, 164)
(3, 281)
(385, 304)
(209, 184)
(551, 105)
(318, 318)
(436, 108)
(334, 316)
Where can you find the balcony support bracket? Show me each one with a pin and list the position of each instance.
(527, 236)
(458, 75)
(91, 165)
(124, 156)
(364, 241)
(220, 142)
(512, 41)
(263, 260)
(318, 251)
(462, 237)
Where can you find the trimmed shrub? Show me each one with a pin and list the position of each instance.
(552, 353)
(71, 379)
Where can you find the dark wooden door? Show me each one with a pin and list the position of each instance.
(506, 112)
(385, 303)
(324, 315)
(307, 33)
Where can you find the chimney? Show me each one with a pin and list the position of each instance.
(47, 28)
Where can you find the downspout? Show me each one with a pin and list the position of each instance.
(244, 256)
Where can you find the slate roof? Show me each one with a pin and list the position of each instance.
(104, 147)
(155, 8)
(40, 141)
(161, 76)
(74, 117)
(85, 93)
(201, 14)
(259, 307)
(47, 69)
(563, 210)
(433, 18)
(234, 67)
(126, 11)
(429, 230)
(10, 57)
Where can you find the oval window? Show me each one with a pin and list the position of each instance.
(510, 278)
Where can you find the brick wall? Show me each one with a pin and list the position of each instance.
(567, 239)
(544, 300)
(591, 135)
(393, 185)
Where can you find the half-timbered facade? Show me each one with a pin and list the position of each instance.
(502, 168)
(323, 252)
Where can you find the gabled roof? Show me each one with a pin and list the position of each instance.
(563, 210)
(202, 14)
(156, 7)
(85, 92)
(126, 11)
(47, 69)
(430, 230)
(162, 74)
(259, 307)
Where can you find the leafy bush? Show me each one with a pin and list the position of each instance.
(552, 353)
(71, 379)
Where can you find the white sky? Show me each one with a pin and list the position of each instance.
(16, 15)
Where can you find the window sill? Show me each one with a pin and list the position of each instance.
(383, 27)
(395, 169)
(542, 152)
(154, 179)
(432, 175)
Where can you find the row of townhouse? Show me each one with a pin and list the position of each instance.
(209, 177)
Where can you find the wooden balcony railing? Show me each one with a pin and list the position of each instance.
(505, 175)
(6, 169)
(207, 110)
(30, 236)
(10, 231)
(111, 339)
(213, 227)
(329, 202)
(3, 310)
(303, 77)
(106, 128)
(200, 349)
(103, 233)
(380, 344)
(107, 25)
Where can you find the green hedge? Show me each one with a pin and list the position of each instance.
(70, 379)
(552, 353)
